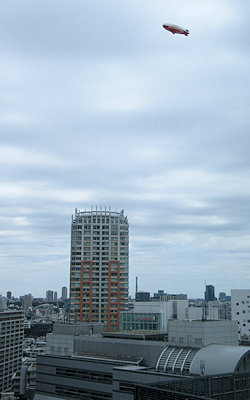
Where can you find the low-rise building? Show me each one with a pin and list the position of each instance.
(103, 366)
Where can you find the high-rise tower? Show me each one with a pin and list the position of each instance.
(99, 267)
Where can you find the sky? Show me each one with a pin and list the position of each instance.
(100, 106)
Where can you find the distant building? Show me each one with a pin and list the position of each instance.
(11, 346)
(142, 296)
(26, 302)
(64, 292)
(55, 296)
(49, 296)
(222, 297)
(209, 293)
(209, 311)
(99, 267)
(240, 303)
(3, 303)
(36, 329)
(9, 295)
(153, 315)
(161, 295)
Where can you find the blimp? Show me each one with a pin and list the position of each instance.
(176, 29)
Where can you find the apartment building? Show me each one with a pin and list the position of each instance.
(11, 346)
(99, 267)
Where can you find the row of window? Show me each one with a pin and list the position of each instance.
(81, 394)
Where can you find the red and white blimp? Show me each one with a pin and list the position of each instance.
(176, 29)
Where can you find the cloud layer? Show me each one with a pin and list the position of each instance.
(100, 106)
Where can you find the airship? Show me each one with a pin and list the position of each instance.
(176, 29)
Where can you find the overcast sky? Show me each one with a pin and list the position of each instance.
(99, 105)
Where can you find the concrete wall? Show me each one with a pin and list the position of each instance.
(80, 329)
(149, 350)
(202, 333)
(60, 344)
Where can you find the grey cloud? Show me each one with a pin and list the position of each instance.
(101, 106)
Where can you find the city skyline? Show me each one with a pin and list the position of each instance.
(102, 106)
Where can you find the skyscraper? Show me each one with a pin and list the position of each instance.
(49, 296)
(209, 293)
(64, 292)
(26, 302)
(99, 267)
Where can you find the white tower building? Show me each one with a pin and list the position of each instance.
(99, 267)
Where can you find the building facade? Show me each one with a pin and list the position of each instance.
(11, 346)
(49, 296)
(240, 303)
(26, 302)
(209, 293)
(64, 292)
(131, 321)
(80, 364)
(3, 303)
(99, 267)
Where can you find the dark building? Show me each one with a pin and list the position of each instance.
(222, 297)
(209, 293)
(142, 296)
(38, 329)
(161, 295)
(9, 295)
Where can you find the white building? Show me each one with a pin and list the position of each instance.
(176, 310)
(27, 302)
(210, 312)
(99, 267)
(202, 333)
(172, 309)
(49, 296)
(64, 292)
(240, 303)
